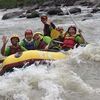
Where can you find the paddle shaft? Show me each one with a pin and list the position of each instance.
(58, 41)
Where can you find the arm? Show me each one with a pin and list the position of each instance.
(79, 40)
(3, 49)
(4, 40)
(53, 26)
(80, 33)
(23, 49)
(22, 45)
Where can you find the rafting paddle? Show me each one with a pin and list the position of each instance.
(55, 34)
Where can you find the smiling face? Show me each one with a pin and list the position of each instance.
(29, 37)
(37, 37)
(72, 31)
(14, 41)
(44, 19)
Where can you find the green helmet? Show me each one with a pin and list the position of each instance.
(38, 33)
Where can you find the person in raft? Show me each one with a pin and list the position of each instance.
(48, 25)
(55, 44)
(61, 35)
(71, 38)
(28, 42)
(13, 48)
(41, 41)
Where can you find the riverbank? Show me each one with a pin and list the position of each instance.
(8, 4)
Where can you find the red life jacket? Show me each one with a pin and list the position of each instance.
(14, 49)
(68, 43)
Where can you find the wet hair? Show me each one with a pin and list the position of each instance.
(44, 16)
(73, 28)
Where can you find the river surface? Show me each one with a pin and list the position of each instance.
(74, 78)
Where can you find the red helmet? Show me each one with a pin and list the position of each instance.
(28, 32)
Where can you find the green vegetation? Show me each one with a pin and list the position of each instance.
(8, 3)
(18, 3)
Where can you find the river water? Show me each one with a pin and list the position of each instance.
(75, 78)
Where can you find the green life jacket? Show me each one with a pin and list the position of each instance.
(47, 39)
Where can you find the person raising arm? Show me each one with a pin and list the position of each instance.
(13, 48)
(48, 25)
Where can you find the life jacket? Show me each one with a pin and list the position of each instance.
(65, 35)
(47, 39)
(42, 45)
(14, 49)
(29, 45)
(68, 43)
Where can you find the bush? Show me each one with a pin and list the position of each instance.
(8, 3)
(19, 3)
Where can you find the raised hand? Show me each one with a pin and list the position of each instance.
(4, 39)
(48, 22)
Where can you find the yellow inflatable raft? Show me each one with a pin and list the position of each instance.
(30, 56)
(35, 55)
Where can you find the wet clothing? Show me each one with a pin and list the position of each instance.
(12, 50)
(78, 39)
(47, 29)
(47, 39)
(71, 42)
(43, 42)
(28, 45)
(68, 43)
(42, 45)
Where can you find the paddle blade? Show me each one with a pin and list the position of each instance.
(54, 34)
